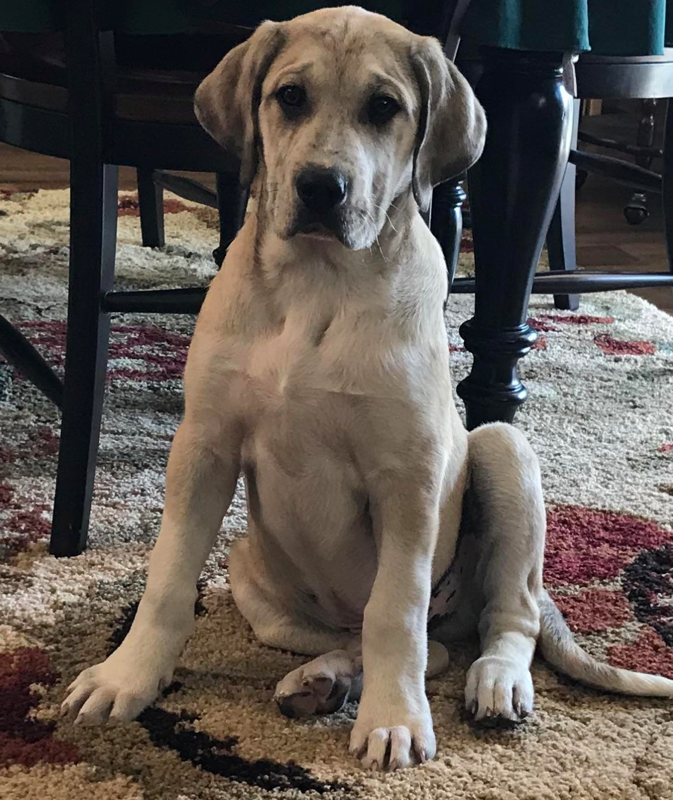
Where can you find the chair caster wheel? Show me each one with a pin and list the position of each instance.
(635, 215)
(636, 211)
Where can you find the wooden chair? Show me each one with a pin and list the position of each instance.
(100, 116)
(624, 78)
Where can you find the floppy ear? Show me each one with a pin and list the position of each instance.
(227, 101)
(452, 123)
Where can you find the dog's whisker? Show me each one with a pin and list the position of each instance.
(376, 235)
(390, 222)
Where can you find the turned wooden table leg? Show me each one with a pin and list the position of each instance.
(513, 191)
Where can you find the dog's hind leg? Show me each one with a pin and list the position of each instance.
(318, 687)
(509, 526)
(324, 685)
(327, 683)
(270, 619)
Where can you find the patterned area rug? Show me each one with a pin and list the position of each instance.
(601, 385)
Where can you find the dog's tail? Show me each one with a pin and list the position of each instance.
(560, 649)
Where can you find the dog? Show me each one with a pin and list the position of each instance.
(378, 528)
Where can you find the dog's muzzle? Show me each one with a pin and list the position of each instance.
(322, 194)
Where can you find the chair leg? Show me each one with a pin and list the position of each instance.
(446, 222)
(151, 202)
(21, 354)
(561, 233)
(667, 187)
(93, 229)
(231, 200)
(513, 190)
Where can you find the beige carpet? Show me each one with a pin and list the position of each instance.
(601, 385)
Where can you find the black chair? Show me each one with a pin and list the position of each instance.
(100, 115)
(624, 78)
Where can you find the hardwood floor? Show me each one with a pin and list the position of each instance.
(605, 240)
(20, 169)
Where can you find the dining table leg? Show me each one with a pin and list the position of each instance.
(513, 190)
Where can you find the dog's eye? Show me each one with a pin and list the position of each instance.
(291, 97)
(382, 108)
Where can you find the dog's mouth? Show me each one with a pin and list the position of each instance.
(325, 227)
(316, 230)
(332, 227)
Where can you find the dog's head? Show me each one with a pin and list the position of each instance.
(341, 111)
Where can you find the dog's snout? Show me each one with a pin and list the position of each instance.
(321, 189)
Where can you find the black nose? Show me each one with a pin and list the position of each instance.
(321, 189)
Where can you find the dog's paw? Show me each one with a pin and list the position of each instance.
(322, 686)
(388, 747)
(115, 691)
(499, 690)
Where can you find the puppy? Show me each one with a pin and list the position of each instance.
(319, 368)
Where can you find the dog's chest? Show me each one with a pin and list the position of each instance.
(305, 358)
(305, 494)
(277, 365)
(296, 409)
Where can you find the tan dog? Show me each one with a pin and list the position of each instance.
(319, 367)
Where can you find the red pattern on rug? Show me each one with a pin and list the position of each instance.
(155, 354)
(615, 347)
(594, 610)
(584, 544)
(128, 206)
(149, 353)
(25, 740)
(540, 325)
(649, 653)
(578, 319)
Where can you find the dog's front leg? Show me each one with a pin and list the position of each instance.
(394, 725)
(200, 482)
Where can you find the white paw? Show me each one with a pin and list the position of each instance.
(322, 686)
(393, 741)
(499, 690)
(116, 690)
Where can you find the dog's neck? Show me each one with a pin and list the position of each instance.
(400, 281)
